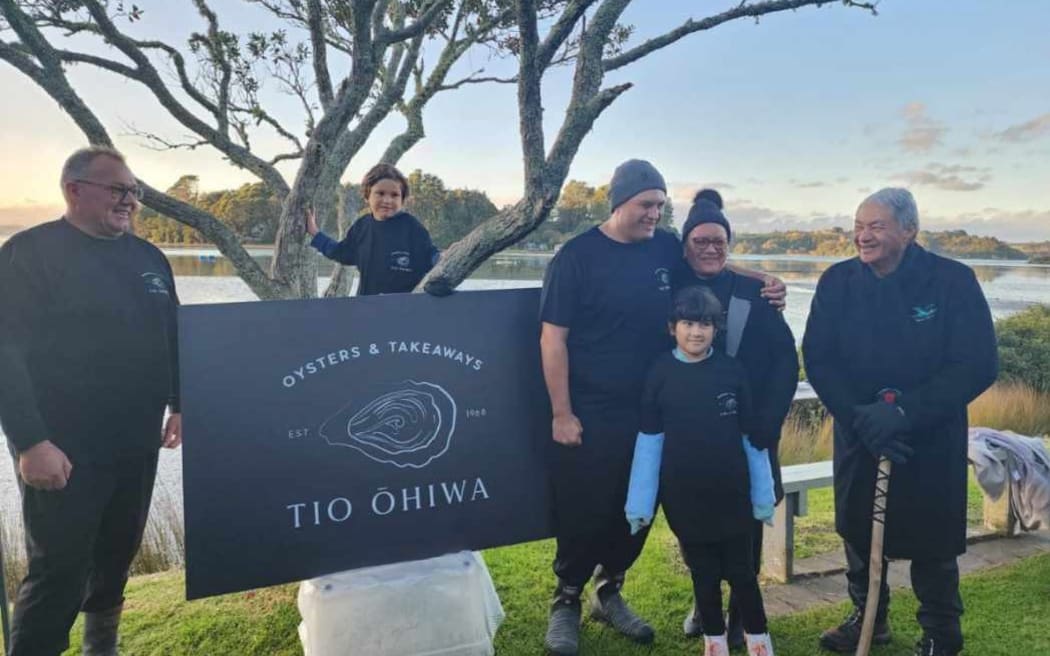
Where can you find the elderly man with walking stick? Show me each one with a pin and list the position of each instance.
(898, 342)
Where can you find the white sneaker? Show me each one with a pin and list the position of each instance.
(759, 645)
(716, 645)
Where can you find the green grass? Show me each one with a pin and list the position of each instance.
(1006, 612)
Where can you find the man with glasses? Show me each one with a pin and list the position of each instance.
(756, 335)
(88, 364)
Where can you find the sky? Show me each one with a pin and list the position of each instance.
(794, 119)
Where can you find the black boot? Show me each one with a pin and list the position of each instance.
(609, 607)
(843, 638)
(563, 625)
(927, 646)
(100, 632)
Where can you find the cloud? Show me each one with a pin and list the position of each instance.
(747, 216)
(1008, 225)
(922, 133)
(1027, 131)
(914, 110)
(1013, 226)
(949, 177)
(807, 185)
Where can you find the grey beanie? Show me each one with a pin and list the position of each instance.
(704, 211)
(632, 178)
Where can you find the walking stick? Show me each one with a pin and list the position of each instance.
(878, 527)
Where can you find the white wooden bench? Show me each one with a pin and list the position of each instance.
(778, 542)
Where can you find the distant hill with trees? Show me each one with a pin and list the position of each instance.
(253, 212)
(1037, 252)
(837, 242)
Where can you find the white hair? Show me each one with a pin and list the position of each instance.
(901, 203)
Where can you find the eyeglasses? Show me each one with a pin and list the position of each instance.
(118, 192)
(702, 244)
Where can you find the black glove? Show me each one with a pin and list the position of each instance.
(896, 451)
(438, 287)
(882, 427)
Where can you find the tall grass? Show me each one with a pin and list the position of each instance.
(14, 552)
(1012, 406)
(807, 434)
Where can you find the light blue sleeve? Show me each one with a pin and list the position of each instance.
(763, 497)
(645, 480)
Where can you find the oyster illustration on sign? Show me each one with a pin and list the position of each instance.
(409, 426)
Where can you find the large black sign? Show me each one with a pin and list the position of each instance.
(332, 434)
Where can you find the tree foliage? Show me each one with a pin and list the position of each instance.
(1024, 347)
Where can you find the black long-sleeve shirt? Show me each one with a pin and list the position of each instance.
(391, 256)
(88, 348)
(767, 351)
(703, 408)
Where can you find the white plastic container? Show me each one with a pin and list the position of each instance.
(444, 606)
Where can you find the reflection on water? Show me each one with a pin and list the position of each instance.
(206, 277)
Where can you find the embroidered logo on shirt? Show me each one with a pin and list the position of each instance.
(400, 261)
(726, 404)
(155, 283)
(663, 279)
(921, 313)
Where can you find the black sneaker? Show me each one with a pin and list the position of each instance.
(615, 612)
(929, 647)
(843, 638)
(563, 627)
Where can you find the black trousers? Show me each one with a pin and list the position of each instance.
(80, 542)
(589, 491)
(756, 558)
(935, 583)
(729, 560)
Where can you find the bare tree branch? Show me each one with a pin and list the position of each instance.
(262, 116)
(218, 54)
(48, 75)
(474, 79)
(149, 76)
(740, 11)
(100, 62)
(560, 31)
(322, 77)
(285, 157)
(530, 75)
(425, 20)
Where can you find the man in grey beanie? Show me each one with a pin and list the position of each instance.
(632, 178)
(605, 301)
